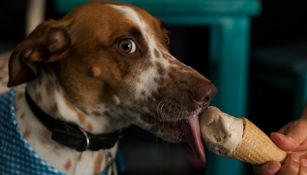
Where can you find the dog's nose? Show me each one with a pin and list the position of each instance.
(204, 92)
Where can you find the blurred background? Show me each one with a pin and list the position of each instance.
(270, 89)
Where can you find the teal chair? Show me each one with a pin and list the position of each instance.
(229, 22)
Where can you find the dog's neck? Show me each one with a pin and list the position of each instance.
(50, 97)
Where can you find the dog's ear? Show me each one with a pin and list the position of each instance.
(43, 45)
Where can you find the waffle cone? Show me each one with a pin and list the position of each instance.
(256, 147)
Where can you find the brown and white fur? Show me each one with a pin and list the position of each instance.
(103, 66)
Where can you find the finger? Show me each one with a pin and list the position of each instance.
(303, 155)
(270, 168)
(291, 136)
(302, 147)
(298, 130)
(283, 142)
(291, 166)
(303, 167)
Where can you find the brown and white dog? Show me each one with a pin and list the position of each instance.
(103, 67)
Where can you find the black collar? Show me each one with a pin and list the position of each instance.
(70, 134)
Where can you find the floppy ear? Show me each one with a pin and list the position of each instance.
(43, 45)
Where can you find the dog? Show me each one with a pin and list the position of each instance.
(82, 78)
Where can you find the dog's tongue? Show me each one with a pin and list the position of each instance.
(191, 130)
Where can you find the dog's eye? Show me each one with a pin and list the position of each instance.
(127, 46)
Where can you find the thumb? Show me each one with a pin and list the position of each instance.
(291, 136)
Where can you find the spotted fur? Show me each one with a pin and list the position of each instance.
(84, 78)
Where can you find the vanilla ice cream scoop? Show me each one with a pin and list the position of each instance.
(237, 138)
(222, 133)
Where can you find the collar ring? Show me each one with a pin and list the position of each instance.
(87, 140)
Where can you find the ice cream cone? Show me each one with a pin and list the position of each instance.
(256, 147)
(237, 138)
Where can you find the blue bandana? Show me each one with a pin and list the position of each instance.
(17, 157)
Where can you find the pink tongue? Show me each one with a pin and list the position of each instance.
(191, 131)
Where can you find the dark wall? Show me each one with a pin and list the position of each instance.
(280, 22)
(279, 34)
(12, 20)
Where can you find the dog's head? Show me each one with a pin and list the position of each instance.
(115, 56)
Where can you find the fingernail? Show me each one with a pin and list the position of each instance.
(295, 158)
(273, 167)
(304, 163)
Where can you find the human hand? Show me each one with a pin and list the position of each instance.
(293, 139)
